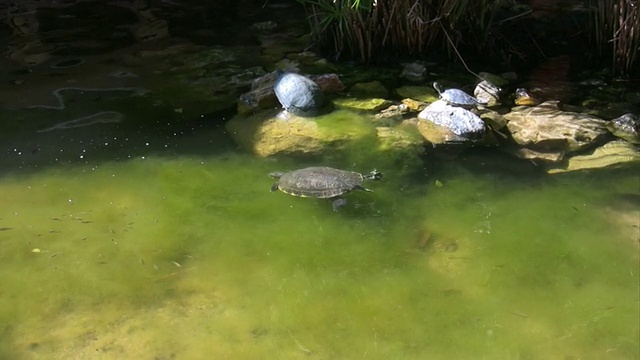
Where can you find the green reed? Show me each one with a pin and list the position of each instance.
(366, 29)
(615, 29)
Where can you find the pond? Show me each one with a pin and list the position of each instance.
(132, 227)
(161, 239)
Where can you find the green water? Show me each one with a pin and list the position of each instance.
(165, 242)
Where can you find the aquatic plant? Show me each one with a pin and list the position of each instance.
(367, 29)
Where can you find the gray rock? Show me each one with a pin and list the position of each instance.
(414, 71)
(487, 94)
(460, 121)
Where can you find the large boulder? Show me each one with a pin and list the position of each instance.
(266, 134)
(459, 121)
(547, 128)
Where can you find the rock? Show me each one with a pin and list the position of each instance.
(286, 133)
(493, 119)
(414, 71)
(414, 105)
(434, 134)
(497, 80)
(374, 104)
(329, 83)
(487, 93)
(626, 127)
(261, 98)
(614, 153)
(528, 154)
(265, 26)
(460, 121)
(421, 93)
(261, 95)
(549, 129)
(153, 30)
(400, 138)
(369, 90)
(281, 134)
(390, 115)
(299, 95)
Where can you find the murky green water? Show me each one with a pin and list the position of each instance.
(125, 241)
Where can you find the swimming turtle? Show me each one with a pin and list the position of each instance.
(322, 182)
(456, 97)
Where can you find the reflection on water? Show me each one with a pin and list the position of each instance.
(168, 252)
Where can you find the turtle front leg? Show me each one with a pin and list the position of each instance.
(338, 203)
(274, 187)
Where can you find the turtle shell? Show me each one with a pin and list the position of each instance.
(455, 97)
(318, 182)
(299, 94)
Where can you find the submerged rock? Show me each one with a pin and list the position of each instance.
(614, 153)
(369, 90)
(434, 134)
(373, 104)
(421, 93)
(414, 71)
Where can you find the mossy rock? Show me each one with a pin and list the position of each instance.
(373, 104)
(422, 93)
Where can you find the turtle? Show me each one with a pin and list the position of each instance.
(626, 127)
(299, 95)
(322, 182)
(456, 97)
(523, 98)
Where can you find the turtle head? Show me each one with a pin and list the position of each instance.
(374, 175)
(438, 87)
(275, 175)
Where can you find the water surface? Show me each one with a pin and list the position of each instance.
(160, 239)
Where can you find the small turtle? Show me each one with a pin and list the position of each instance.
(322, 182)
(456, 97)
(626, 127)
(523, 98)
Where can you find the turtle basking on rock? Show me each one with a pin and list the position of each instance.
(456, 97)
(299, 95)
(322, 183)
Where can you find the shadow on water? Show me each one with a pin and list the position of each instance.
(121, 129)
